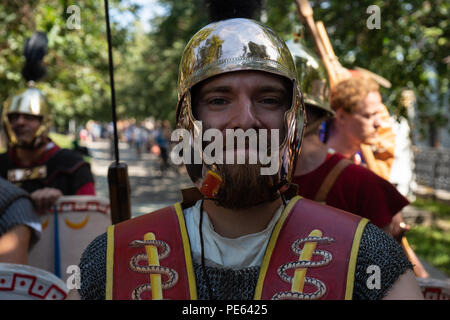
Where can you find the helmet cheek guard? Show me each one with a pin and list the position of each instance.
(313, 79)
(239, 45)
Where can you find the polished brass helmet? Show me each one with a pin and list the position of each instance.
(312, 77)
(30, 101)
(236, 45)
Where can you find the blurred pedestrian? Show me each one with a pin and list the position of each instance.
(140, 138)
(163, 141)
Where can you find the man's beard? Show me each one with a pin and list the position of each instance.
(243, 186)
(35, 143)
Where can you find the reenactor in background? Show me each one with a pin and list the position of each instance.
(324, 174)
(237, 226)
(33, 161)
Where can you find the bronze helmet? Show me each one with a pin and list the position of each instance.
(312, 77)
(235, 45)
(30, 101)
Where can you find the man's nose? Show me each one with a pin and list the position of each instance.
(244, 115)
(18, 120)
(377, 122)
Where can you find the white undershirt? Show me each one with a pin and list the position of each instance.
(236, 253)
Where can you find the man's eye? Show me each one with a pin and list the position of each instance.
(217, 101)
(13, 117)
(270, 100)
(366, 115)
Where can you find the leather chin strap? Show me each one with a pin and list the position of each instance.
(291, 191)
(36, 143)
(189, 197)
(314, 126)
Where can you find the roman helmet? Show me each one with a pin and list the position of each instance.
(30, 101)
(313, 79)
(235, 45)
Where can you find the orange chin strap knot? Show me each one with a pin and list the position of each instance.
(211, 184)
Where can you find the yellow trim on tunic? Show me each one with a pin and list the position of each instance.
(153, 260)
(109, 263)
(187, 252)
(298, 282)
(271, 245)
(353, 256)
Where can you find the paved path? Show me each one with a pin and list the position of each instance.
(151, 189)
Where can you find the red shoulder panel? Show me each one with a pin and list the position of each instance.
(327, 269)
(131, 270)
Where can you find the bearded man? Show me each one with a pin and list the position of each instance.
(33, 161)
(239, 234)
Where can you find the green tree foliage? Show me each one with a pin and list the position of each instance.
(410, 49)
(77, 81)
(151, 88)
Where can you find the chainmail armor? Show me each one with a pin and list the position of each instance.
(385, 253)
(228, 284)
(93, 270)
(16, 208)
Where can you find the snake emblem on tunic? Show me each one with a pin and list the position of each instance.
(134, 264)
(319, 285)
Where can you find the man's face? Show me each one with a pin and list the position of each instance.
(24, 126)
(243, 100)
(363, 123)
